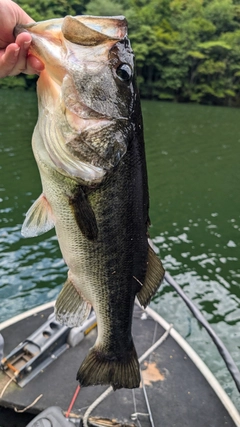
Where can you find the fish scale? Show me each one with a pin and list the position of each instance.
(89, 148)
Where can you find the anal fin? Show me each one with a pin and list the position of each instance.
(71, 308)
(154, 276)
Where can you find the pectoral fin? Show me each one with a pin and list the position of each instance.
(39, 218)
(71, 308)
(84, 214)
(153, 279)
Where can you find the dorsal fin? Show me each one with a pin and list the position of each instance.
(154, 276)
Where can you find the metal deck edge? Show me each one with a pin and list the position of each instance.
(26, 314)
(211, 379)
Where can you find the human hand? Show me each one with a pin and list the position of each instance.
(14, 57)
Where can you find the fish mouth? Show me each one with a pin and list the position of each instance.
(50, 37)
(81, 124)
(86, 30)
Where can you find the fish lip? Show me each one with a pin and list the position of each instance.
(18, 29)
(23, 28)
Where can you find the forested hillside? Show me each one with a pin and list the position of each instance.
(186, 50)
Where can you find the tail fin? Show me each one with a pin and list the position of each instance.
(101, 368)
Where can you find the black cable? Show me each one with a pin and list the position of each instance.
(232, 367)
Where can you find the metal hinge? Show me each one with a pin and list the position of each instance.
(42, 347)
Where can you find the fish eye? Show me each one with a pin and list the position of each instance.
(124, 72)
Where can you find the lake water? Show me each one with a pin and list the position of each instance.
(193, 157)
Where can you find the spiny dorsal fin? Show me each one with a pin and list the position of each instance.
(153, 279)
(71, 308)
(39, 218)
(84, 214)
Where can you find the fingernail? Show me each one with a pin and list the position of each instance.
(16, 52)
(27, 44)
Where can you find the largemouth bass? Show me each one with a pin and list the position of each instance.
(89, 147)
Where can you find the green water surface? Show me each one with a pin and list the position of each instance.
(193, 155)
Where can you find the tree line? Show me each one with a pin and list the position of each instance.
(186, 50)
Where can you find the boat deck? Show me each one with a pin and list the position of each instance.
(178, 393)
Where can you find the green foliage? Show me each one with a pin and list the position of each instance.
(221, 14)
(186, 50)
(12, 82)
(44, 9)
(104, 8)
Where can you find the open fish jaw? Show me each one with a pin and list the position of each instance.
(50, 39)
(91, 127)
(112, 27)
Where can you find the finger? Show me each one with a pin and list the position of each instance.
(34, 65)
(21, 64)
(14, 57)
(10, 15)
(26, 63)
(23, 38)
(8, 59)
(23, 41)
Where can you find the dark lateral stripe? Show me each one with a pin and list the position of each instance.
(84, 214)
